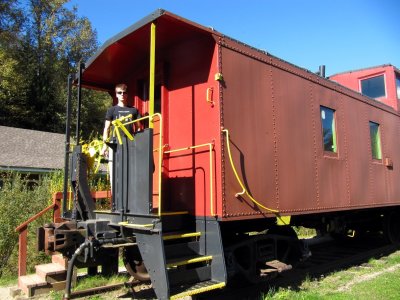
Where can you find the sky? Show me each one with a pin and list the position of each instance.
(343, 35)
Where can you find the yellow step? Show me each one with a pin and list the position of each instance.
(199, 288)
(135, 226)
(174, 213)
(192, 260)
(175, 236)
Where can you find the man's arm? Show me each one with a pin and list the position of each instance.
(106, 131)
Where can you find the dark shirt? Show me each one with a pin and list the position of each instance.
(116, 112)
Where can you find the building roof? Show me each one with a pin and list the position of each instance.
(31, 150)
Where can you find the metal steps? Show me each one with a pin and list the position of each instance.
(180, 235)
(188, 260)
(189, 271)
(196, 288)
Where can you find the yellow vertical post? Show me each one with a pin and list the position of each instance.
(152, 70)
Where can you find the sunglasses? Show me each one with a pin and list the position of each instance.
(122, 93)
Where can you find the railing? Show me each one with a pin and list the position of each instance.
(244, 190)
(23, 228)
(210, 147)
(119, 125)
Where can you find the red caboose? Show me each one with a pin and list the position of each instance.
(236, 142)
(381, 83)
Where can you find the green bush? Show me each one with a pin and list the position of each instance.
(20, 200)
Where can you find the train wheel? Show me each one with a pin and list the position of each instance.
(134, 263)
(392, 227)
(288, 246)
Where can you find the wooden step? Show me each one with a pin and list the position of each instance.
(33, 285)
(49, 269)
(187, 260)
(59, 259)
(51, 272)
(196, 288)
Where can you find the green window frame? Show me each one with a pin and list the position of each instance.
(375, 135)
(328, 122)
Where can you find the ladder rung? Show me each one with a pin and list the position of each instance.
(130, 225)
(192, 260)
(181, 235)
(198, 290)
(173, 213)
(118, 245)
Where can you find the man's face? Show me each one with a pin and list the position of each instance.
(122, 94)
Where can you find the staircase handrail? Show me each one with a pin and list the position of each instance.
(56, 196)
(22, 229)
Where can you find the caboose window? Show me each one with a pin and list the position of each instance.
(328, 129)
(374, 87)
(398, 85)
(374, 130)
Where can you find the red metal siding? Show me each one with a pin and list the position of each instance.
(272, 110)
(352, 80)
(248, 114)
(192, 121)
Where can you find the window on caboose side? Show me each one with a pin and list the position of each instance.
(398, 85)
(328, 129)
(374, 87)
(375, 134)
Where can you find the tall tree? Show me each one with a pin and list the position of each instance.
(11, 20)
(49, 46)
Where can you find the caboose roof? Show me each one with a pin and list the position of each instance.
(368, 68)
(116, 58)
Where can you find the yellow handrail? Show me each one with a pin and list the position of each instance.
(160, 157)
(210, 146)
(119, 125)
(152, 68)
(238, 178)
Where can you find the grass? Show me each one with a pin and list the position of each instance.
(377, 279)
(8, 280)
(92, 282)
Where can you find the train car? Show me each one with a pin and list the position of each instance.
(237, 147)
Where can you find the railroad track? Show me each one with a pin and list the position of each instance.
(327, 256)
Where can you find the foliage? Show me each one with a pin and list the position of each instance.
(41, 42)
(18, 201)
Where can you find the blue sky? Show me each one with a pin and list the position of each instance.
(341, 34)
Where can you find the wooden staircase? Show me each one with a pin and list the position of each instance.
(48, 277)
